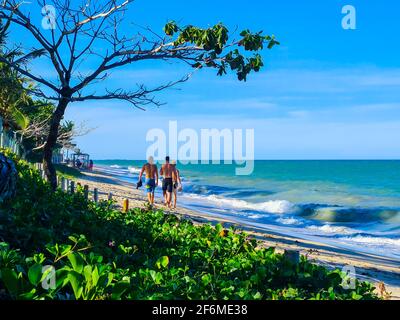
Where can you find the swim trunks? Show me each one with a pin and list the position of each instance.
(150, 185)
(167, 184)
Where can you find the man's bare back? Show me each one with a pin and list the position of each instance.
(151, 178)
(167, 170)
(150, 170)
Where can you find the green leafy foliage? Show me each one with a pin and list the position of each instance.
(13, 94)
(100, 253)
(219, 53)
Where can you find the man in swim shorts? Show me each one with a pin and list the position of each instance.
(151, 178)
(176, 178)
(167, 170)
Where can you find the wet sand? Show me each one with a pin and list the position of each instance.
(376, 269)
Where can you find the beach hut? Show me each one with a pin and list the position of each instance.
(80, 160)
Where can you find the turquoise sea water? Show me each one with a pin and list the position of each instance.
(350, 204)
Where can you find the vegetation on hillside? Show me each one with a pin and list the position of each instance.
(100, 253)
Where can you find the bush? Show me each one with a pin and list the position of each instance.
(101, 253)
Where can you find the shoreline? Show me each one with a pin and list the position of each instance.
(368, 267)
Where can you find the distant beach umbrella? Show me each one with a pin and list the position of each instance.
(8, 178)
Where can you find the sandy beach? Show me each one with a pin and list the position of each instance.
(376, 269)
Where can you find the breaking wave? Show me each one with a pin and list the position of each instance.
(271, 206)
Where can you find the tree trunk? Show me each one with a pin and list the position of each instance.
(52, 141)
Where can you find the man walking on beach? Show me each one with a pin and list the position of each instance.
(177, 183)
(167, 171)
(151, 178)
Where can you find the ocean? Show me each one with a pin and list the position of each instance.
(352, 205)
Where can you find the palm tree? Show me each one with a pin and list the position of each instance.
(13, 93)
(10, 100)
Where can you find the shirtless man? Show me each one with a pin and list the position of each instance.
(151, 178)
(167, 171)
(177, 183)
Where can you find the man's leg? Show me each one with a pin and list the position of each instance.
(149, 196)
(165, 197)
(164, 192)
(152, 189)
(170, 190)
(175, 194)
(169, 195)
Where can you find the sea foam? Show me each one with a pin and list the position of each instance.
(289, 221)
(330, 229)
(271, 206)
(374, 241)
(133, 170)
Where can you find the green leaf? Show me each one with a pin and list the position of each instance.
(156, 276)
(170, 28)
(61, 277)
(28, 296)
(162, 262)
(119, 289)
(206, 279)
(73, 239)
(65, 249)
(87, 271)
(35, 274)
(10, 279)
(257, 296)
(110, 278)
(76, 282)
(356, 296)
(76, 261)
(19, 118)
(95, 276)
(52, 249)
(218, 228)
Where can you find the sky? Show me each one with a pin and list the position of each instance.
(325, 92)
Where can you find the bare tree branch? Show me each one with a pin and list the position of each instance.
(28, 74)
(38, 130)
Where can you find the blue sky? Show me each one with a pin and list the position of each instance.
(325, 93)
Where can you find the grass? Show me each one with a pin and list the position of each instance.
(67, 172)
